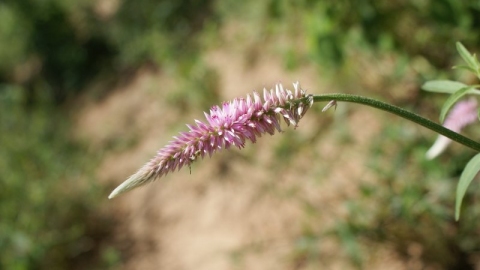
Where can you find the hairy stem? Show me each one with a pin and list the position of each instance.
(402, 113)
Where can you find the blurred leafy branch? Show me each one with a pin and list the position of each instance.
(49, 201)
(59, 46)
(458, 90)
(411, 212)
(412, 204)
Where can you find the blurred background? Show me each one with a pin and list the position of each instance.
(90, 90)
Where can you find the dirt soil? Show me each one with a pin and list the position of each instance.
(248, 209)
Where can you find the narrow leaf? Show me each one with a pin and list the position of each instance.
(466, 68)
(467, 57)
(470, 171)
(443, 86)
(476, 60)
(452, 100)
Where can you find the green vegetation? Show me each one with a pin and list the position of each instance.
(51, 52)
(49, 200)
(413, 202)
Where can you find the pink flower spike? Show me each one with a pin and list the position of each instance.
(231, 124)
(463, 113)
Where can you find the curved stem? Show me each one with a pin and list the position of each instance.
(402, 113)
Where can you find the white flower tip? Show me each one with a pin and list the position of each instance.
(438, 147)
(138, 179)
(117, 191)
(113, 194)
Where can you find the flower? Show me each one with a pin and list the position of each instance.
(228, 125)
(461, 115)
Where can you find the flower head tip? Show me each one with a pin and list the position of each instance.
(231, 124)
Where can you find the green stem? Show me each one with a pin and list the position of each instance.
(402, 113)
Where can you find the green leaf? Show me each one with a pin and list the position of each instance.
(467, 57)
(443, 86)
(465, 67)
(476, 60)
(470, 171)
(447, 87)
(452, 100)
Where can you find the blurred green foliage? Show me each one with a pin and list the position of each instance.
(55, 47)
(413, 203)
(333, 28)
(51, 50)
(58, 46)
(158, 31)
(49, 201)
(426, 28)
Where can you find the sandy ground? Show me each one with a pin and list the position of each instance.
(248, 209)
